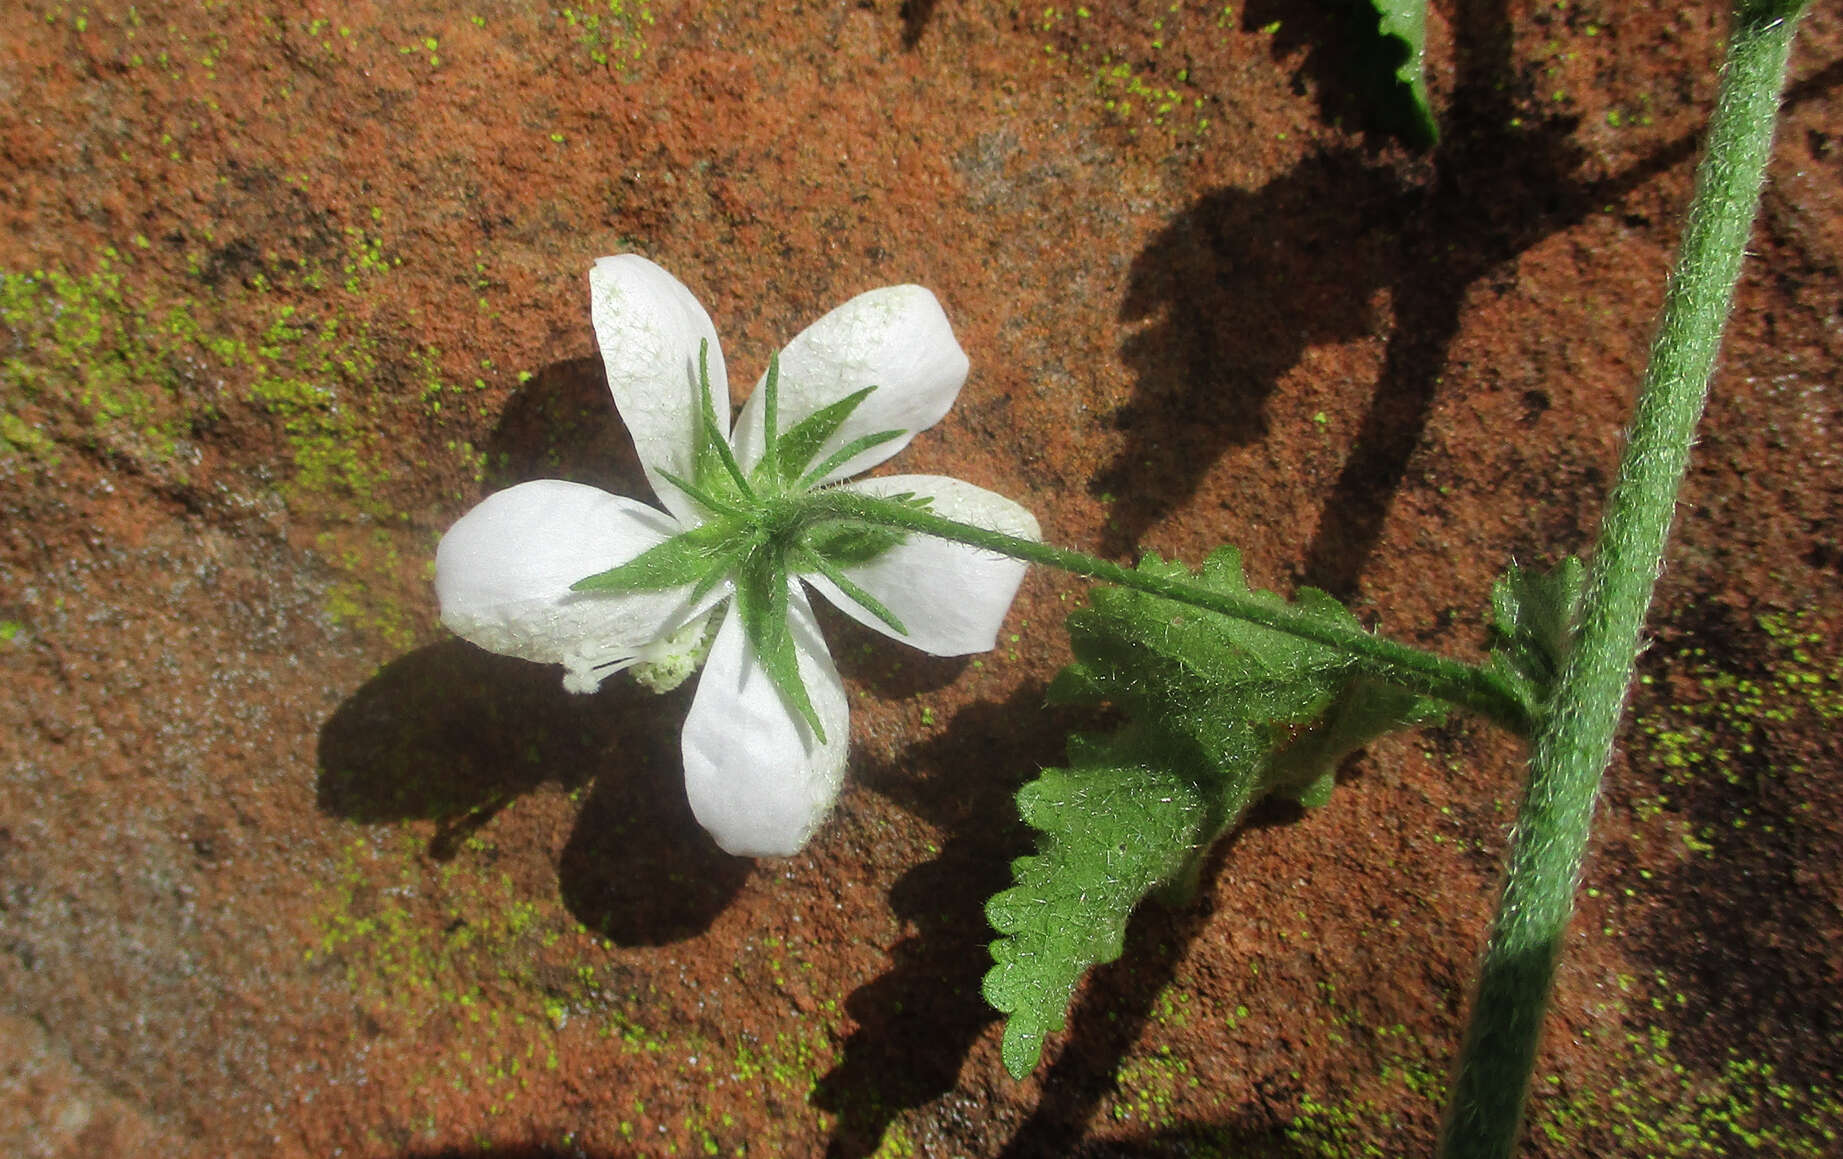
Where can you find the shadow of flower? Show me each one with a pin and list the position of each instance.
(561, 424)
(453, 734)
(1237, 288)
(638, 869)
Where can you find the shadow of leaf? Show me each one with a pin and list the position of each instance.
(1244, 282)
(1237, 288)
(1193, 1139)
(1351, 65)
(915, 17)
(512, 1151)
(1742, 930)
(917, 1022)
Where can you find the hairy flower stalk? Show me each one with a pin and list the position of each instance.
(568, 574)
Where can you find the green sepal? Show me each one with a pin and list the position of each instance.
(810, 561)
(729, 503)
(712, 578)
(771, 419)
(690, 557)
(844, 455)
(845, 544)
(787, 457)
(714, 467)
(762, 599)
(799, 444)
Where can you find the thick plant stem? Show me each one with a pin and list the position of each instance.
(1454, 681)
(1574, 740)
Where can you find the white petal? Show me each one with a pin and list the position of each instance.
(951, 597)
(503, 573)
(650, 328)
(759, 780)
(896, 339)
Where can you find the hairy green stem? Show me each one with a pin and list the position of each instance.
(1574, 739)
(1454, 681)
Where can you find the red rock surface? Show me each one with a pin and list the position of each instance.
(285, 871)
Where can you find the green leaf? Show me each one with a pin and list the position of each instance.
(1161, 658)
(796, 448)
(1304, 771)
(1402, 25)
(1113, 830)
(1220, 713)
(689, 557)
(762, 599)
(1532, 619)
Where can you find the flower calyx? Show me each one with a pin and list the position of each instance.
(763, 528)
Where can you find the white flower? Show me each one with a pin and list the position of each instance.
(759, 775)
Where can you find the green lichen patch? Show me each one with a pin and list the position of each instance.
(1641, 1096)
(1152, 1088)
(610, 33)
(246, 372)
(791, 1061)
(18, 437)
(1717, 720)
(477, 977)
(1657, 1103)
(398, 924)
(113, 363)
(1136, 59)
(86, 363)
(489, 989)
(1635, 1092)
